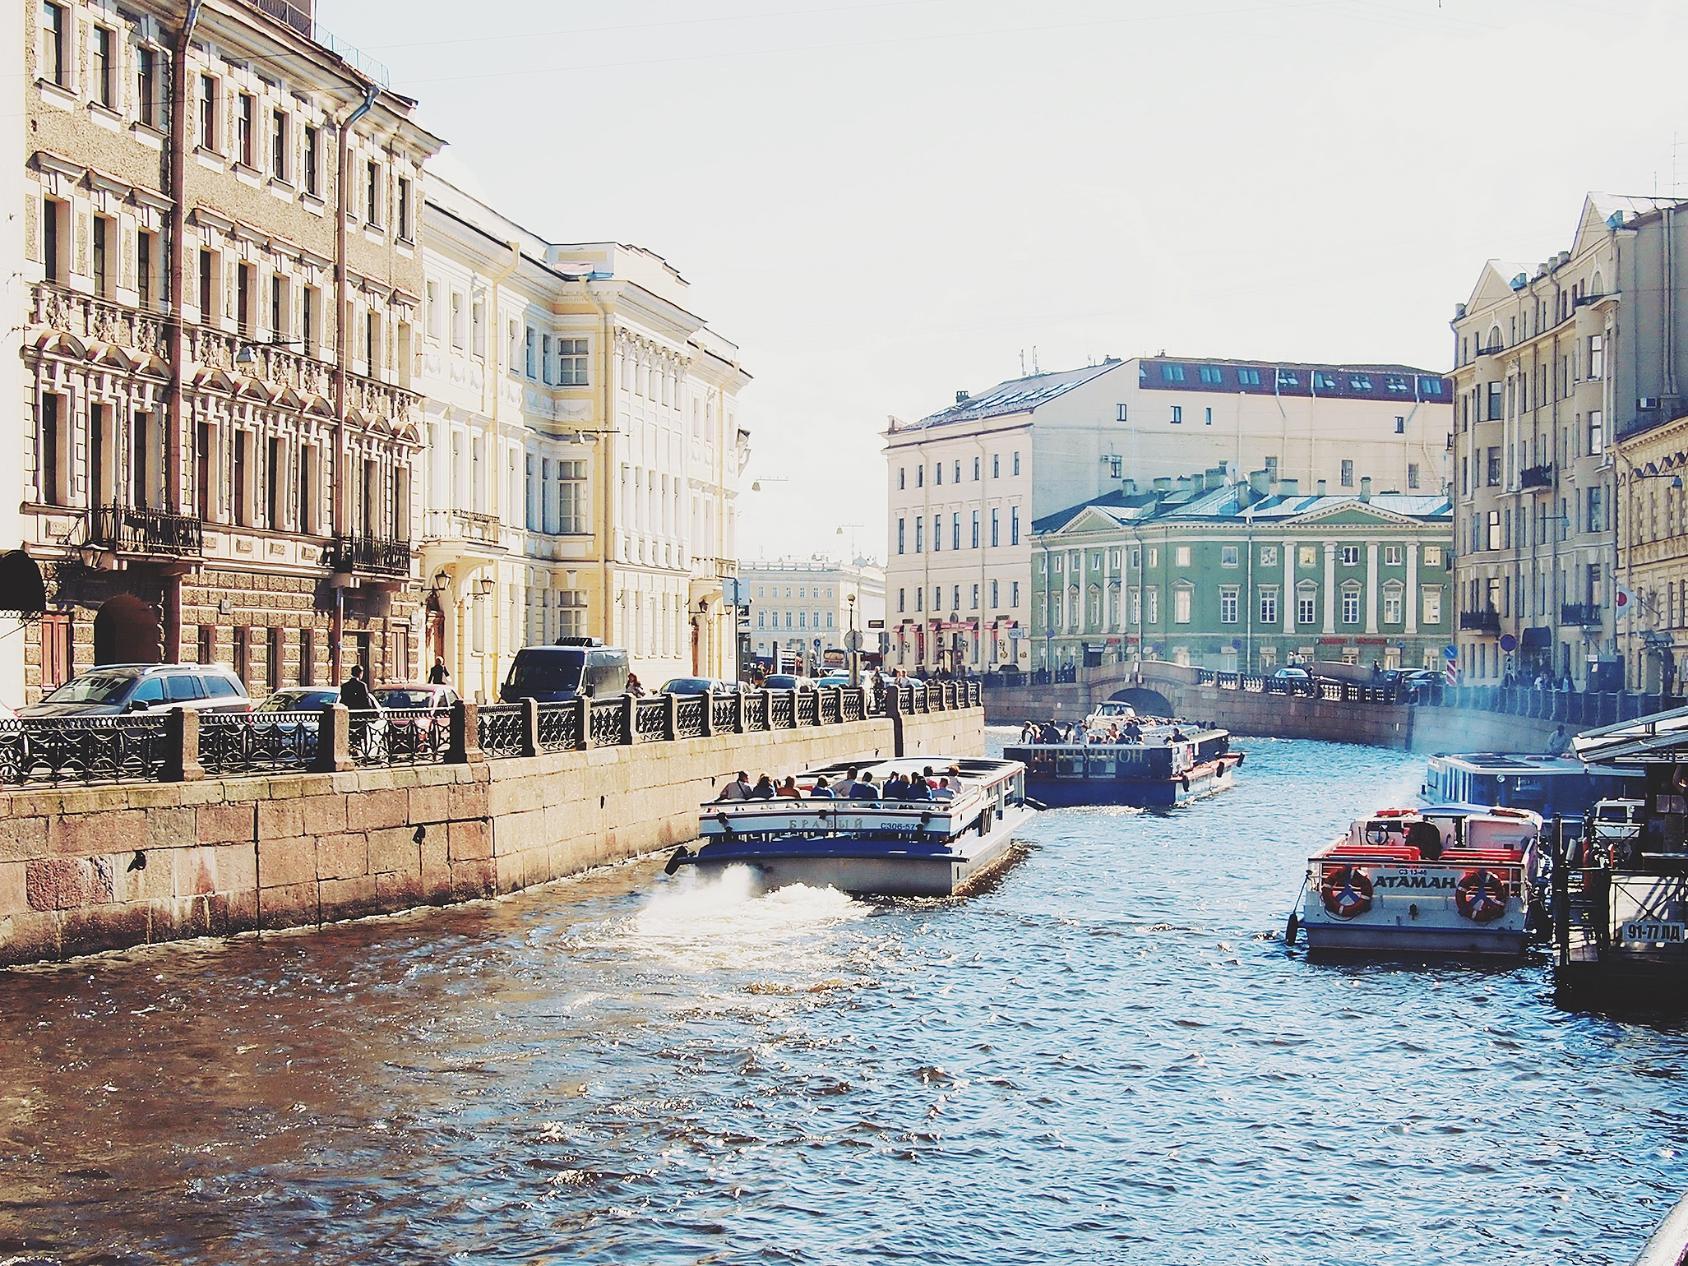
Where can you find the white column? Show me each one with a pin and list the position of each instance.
(1411, 597)
(1371, 587)
(1330, 588)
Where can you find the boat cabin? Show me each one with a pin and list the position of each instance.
(1547, 785)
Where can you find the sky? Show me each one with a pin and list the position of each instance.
(884, 201)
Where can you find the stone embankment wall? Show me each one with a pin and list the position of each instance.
(85, 869)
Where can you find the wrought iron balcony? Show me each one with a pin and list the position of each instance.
(1536, 476)
(1586, 614)
(1485, 621)
(377, 554)
(138, 530)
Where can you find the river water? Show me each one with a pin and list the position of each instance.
(1107, 1057)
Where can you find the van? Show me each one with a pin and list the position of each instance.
(576, 667)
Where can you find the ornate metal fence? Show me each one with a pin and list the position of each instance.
(688, 716)
(755, 712)
(503, 729)
(781, 711)
(559, 726)
(234, 743)
(650, 719)
(609, 722)
(56, 750)
(724, 712)
(400, 736)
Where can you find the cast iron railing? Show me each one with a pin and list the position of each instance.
(58, 750)
(138, 530)
(502, 729)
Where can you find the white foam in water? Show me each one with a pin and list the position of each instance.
(727, 920)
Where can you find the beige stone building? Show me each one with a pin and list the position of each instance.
(583, 450)
(1557, 364)
(1651, 468)
(803, 609)
(221, 222)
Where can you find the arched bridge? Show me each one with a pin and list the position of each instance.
(1152, 687)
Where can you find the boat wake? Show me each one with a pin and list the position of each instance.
(703, 923)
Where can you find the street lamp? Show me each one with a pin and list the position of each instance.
(246, 353)
(852, 642)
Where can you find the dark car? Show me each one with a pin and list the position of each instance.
(576, 667)
(117, 689)
(788, 681)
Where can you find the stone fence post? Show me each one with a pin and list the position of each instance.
(670, 717)
(629, 720)
(465, 746)
(334, 751)
(583, 718)
(708, 715)
(181, 747)
(530, 727)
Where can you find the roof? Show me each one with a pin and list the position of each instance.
(1017, 395)
(1658, 739)
(1240, 501)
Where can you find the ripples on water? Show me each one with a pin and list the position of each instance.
(1106, 1057)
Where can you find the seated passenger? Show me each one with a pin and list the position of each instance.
(788, 789)
(847, 786)
(737, 789)
(917, 789)
(896, 788)
(865, 790)
(821, 791)
(763, 790)
(943, 790)
(1426, 839)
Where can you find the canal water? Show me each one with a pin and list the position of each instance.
(1108, 1057)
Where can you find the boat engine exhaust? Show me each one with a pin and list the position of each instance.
(679, 855)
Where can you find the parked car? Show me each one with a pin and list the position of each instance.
(791, 681)
(406, 733)
(1417, 683)
(696, 686)
(576, 667)
(1296, 681)
(300, 699)
(832, 680)
(116, 689)
(436, 699)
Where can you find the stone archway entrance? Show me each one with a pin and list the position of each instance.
(126, 631)
(1147, 702)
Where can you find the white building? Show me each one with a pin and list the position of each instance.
(804, 609)
(14, 438)
(583, 450)
(965, 483)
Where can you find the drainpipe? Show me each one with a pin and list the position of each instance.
(337, 508)
(175, 333)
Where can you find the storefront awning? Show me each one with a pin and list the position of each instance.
(22, 592)
(1536, 638)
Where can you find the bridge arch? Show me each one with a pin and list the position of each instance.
(1147, 702)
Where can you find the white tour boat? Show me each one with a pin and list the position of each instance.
(870, 847)
(1442, 880)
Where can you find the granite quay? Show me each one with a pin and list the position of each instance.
(506, 799)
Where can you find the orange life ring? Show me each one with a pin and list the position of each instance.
(1394, 813)
(1346, 891)
(1482, 896)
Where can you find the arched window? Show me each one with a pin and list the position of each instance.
(1351, 602)
(1307, 603)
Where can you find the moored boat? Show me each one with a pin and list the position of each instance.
(870, 847)
(1441, 880)
(1160, 766)
(1548, 785)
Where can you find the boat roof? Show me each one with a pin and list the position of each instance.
(1516, 763)
(975, 767)
(1659, 739)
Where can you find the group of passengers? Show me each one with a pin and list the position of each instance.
(1034, 732)
(855, 785)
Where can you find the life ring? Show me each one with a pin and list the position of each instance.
(1481, 896)
(1394, 813)
(1346, 891)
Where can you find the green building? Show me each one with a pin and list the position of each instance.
(1243, 576)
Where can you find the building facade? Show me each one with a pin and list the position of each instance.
(220, 240)
(584, 451)
(1651, 469)
(966, 483)
(1555, 364)
(1244, 577)
(801, 611)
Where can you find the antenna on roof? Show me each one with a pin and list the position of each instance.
(1034, 358)
(1022, 362)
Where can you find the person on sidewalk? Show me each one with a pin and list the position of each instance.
(438, 675)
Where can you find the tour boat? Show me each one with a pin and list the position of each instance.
(1166, 767)
(870, 848)
(1547, 785)
(1441, 880)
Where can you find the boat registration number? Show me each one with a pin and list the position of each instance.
(1654, 932)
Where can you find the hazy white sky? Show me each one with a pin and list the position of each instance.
(882, 201)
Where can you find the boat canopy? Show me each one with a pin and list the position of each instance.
(1660, 739)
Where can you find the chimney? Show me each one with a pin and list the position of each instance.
(1183, 483)
(1129, 487)
(1259, 481)
(1289, 487)
(1365, 487)
(1163, 484)
(1322, 486)
(961, 397)
(1218, 476)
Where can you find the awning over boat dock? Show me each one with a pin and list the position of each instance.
(1660, 739)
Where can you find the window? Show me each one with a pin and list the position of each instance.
(1013, 525)
(1228, 595)
(53, 471)
(55, 45)
(919, 534)
(1350, 555)
(1172, 373)
(572, 357)
(1183, 603)
(957, 478)
(955, 531)
(146, 257)
(920, 475)
(1210, 374)
(307, 319)
(207, 286)
(278, 145)
(104, 67)
(1177, 414)
(1492, 538)
(1268, 604)
(1306, 603)
(278, 305)
(1207, 417)
(1268, 555)
(1181, 556)
(1392, 555)
(372, 193)
(572, 505)
(1430, 604)
(902, 605)
(976, 464)
(243, 127)
(1350, 603)
(938, 473)
(996, 537)
(975, 529)
(1596, 433)
(902, 534)
(372, 344)
(405, 230)
(243, 297)
(1596, 356)
(996, 465)
(1013, 593)
(1248, 377)
(902, 478)
(1119, 413)
(937, 532)
(146, 86)
(1493, 411)
(1347, 472)
(1016, 461)
(975, 600)
(544, 341)
(105, 231)
(528, 352)
(1400, 424)
(995, 596)
(1227, 555)
(1596, 521)
(207, 112)
(313, 160)
(1392, 603)
(1412, 475)
(1493, 471)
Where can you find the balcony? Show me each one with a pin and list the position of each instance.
(465, 527)
(1536, 478)
(1587, 614)
(1485, 621)
(137, 530)
(96, 321)
(304, 375)
(374, 555)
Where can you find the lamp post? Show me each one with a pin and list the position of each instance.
(246, 353)
(853, 643)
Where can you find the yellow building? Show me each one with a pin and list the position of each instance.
(1652, 555)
